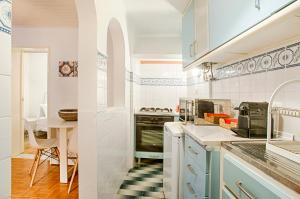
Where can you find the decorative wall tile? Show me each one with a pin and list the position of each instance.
(275, 59)
(295, 48)
(281, 58)
(5, 16)
(157, 81)
(68, 69)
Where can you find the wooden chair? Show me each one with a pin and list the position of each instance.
(44, 147)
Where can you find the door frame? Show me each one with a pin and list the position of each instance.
(20, 135)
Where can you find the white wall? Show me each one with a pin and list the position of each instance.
(108, 185)
(196, 86)
(157, 45)
(158, 85)
(5, 113)
(35, 66)
(17, 144)
(87, 98)
(62, 44)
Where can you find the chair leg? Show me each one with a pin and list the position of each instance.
(35, 157)
(73, 176)
(36, 166)
(57, 153)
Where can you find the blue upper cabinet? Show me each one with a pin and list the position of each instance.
(229, 18)
(188, 35)
(195, 31)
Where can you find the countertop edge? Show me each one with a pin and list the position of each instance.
(260, 166)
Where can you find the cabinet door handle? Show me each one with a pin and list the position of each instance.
(191, 169)
(239, 184)
(191, 190)
(195, 48)
(192, 150)
(191, 49)
(257, 4)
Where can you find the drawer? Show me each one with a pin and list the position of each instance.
(196, 152)
(242, 180)
(189, 192)
(198, 179)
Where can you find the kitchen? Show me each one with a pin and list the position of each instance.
(223, 143)
(204, 94)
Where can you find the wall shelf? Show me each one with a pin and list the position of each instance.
(280, 26)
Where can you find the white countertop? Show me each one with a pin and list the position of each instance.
(211, 135)
(175, 128)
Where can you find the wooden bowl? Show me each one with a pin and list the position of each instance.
(68, 114)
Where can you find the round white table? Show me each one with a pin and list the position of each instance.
(62, 127)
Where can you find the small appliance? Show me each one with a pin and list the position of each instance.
(203, 106)
(186, 107)
(252, 120)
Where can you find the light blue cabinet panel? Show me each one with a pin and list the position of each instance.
(215, 174)
(188, 35)
(229, 18)
(226, 194)
(271, 7)
(201, 171)
(198, 179)
(197, 153)
(240, 179)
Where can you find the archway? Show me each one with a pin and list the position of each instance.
(87, 97)
(115, 65)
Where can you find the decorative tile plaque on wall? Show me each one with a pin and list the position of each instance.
(5, 16)
(68, 69)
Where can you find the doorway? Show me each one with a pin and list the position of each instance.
(29, 97)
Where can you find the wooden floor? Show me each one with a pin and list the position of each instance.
(46, 185)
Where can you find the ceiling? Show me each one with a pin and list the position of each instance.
(153, 18)
(44, 13)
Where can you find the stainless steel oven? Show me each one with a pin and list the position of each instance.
(149, 135)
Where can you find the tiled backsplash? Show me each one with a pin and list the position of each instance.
(5, 18)
(158, 85)
(277, 59)
(256, 78)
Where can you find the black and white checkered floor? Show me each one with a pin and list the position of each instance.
(144, 182)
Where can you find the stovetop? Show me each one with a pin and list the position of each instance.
(152, 109)
(155, 111)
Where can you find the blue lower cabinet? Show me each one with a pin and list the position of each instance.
(201, 171)
(246, 183)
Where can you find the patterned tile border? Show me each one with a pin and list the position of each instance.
(281, 58)
(163, 81)
(132, 77)
(157, 81)
(5, 16)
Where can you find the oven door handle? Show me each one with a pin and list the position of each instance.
(149, 125)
